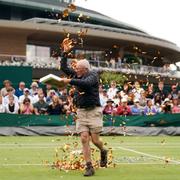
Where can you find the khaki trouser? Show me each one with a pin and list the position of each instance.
(89, 120)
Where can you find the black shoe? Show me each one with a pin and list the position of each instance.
(103, 162)
(89, 170)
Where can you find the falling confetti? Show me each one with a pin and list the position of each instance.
(72, 7)
(65, 13)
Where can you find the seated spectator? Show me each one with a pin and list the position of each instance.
(7, 84)
(26, 107)
(176, 105)
(150, 91)
(150, 109)
(10, 91)
(169, 96)
(19, 91)
(109, 108)
(56, 108)
(123, 108)
(174, 91)
(142, 99)
(12, 107)
(26, 95)
(125, 90)
(112, 90)
(157, 99)
(136, 109)
(50, 95)
(47, 89)
(41, 106)
(103, 97)
(117, 99)
(63, 95)
(130, 98)
(35, 98)
(2, 108)
(163, 93)
(34, 89)
(137, 90)
(167, 106)
(157, 102)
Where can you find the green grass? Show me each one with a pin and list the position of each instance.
(23, 157)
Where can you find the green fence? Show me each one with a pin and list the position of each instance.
(15, 75)
(15, 120)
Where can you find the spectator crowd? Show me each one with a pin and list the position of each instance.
(131, 99)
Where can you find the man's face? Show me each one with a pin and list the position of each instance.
(21, 85)
(26, 93)
(34, 87)
(41, 97)
(80, 70)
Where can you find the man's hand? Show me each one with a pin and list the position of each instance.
(67, 45)
(66, 80)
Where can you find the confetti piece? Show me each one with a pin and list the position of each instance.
(65, 13)
(72, 7)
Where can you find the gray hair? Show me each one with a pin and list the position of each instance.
(84, 63)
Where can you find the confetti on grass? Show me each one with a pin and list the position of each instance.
(70, 157)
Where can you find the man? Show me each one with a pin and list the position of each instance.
(25, 95)
(19, 91)
(41, 106)
(89, 123)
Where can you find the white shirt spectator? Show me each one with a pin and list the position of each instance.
(112, 93)
(2, 109)
(36, 99)
(103, 99)
(34, 89)
(21, 99)
(6, 100)
(137, 93)
(16, 108)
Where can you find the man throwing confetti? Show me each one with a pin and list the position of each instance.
(89, 114)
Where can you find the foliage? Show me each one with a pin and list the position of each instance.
(107, 77)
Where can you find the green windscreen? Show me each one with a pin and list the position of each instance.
(15, 75)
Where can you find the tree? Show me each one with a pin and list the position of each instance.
(107, 77)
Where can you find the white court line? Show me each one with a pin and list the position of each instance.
(116, 147)
(51, 164)
(148, 155)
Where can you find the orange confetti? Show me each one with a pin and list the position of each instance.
(72, 7)
(65, 13)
